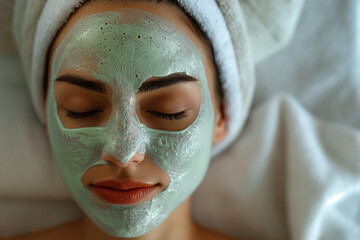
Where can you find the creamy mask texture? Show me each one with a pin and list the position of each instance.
(123, 49)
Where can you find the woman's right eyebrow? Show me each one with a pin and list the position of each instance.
(82, 82)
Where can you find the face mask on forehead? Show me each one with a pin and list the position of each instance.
(123, 49)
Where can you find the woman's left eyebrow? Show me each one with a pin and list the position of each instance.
(82, 82)
(156, 83)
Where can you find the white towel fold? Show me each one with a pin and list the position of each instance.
(296, 177)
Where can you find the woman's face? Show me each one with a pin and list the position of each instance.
(130, 113)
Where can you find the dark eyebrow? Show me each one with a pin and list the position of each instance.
(160, 82)
(82, 82)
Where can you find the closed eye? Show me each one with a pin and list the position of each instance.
(171, 117)
(79, 115)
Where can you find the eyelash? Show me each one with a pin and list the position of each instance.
(171, 117)
(77, 115)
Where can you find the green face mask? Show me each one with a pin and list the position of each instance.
(123, 49)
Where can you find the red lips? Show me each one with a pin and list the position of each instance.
(122, 192)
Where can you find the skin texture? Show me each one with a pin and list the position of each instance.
(179, 224)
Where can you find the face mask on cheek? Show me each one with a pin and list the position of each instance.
(123, 49)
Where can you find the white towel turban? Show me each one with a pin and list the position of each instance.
(241, 33)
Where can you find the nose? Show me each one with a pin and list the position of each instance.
(125, 138)
(110, 159)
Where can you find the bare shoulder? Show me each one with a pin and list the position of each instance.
(54, 233)
(209, 234)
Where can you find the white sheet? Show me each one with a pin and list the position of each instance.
(320, 66)
(289, 176)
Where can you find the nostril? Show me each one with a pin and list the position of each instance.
(138, 157)
(110, 159)
(107, 157)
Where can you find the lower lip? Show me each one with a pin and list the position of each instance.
(123, 196)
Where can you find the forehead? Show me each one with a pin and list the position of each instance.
(127, 44)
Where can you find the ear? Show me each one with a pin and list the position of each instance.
(220, 128)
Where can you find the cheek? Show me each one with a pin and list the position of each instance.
(185, 154)
(175, 153)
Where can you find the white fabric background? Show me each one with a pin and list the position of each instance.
(320, 66)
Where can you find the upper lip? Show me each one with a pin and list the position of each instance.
(121, 185)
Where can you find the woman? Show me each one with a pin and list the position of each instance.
(133, 108)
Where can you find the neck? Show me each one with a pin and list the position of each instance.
(178, 225)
